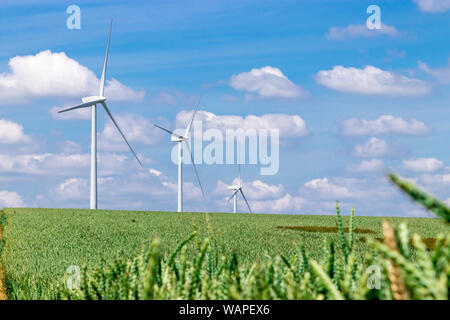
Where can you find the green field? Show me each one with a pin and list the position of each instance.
(40, 244)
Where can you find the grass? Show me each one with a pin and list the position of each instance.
(40, 244)
(325, 229)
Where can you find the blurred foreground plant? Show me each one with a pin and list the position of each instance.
(407, 269)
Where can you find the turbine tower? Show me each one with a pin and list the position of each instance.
(180, 139)
(238, 188)
(92, 102)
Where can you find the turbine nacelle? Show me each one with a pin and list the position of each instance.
(234, 187)
(93, 99)
(177, 138)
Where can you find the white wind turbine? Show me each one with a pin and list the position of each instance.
(180, 139)
(238, 188)
(92, 102)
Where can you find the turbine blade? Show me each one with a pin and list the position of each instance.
(168, 131)
(245, 200)
(195, 168)
(121, 133)
(193, 116)
(83, 105)
(105, 62)
(233, 194)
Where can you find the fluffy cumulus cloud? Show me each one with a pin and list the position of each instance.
(77, 114)
(326, 188)
(44, 163)
(360, 30)
(262, 197)
(73, 188)
(372, 81)
(364, 193)
(117, 91)
(57, 164)
(190, 190)
(54, 74)
(260, 190)
(125, 188)
(254, 190)
(442, 75)
(433, 5)
(267, 82)
(290, 126)
(435, 180)
(11, 199)
(368, 165)
(136, 128)
(12, 133)
(374, 147)
(286, 204)
(423, 164)
(69, 147)
(384, 124)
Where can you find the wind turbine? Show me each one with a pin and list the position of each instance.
(238, 188)
(92, 102)
(180, 139)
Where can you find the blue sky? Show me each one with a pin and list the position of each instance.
(371, 101)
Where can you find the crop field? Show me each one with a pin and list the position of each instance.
(40, 244)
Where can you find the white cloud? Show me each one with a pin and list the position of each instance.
(423, 164)
(73, 188)
(44, 163)
(255, 190)
(116, 91)
(136, 128)
(77, 114)
(286, 204)
(49, 74)
(62, 164)
(371, 80)
(259, 190)
(11, 199)
(267, 82)
(433, 5)
(373, 148)
(190, 190)
(157, 173)
(360, 30)
(436, 179)
(442, 75)
(290, 126)
(70, 147)
(383, 124)
(368, 165)
(327, 188)
(12, 133)
(262, 197)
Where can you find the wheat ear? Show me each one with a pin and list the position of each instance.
(398, 287)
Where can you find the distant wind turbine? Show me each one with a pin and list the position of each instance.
(180, 139)
(92, 102)
(238, 188)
